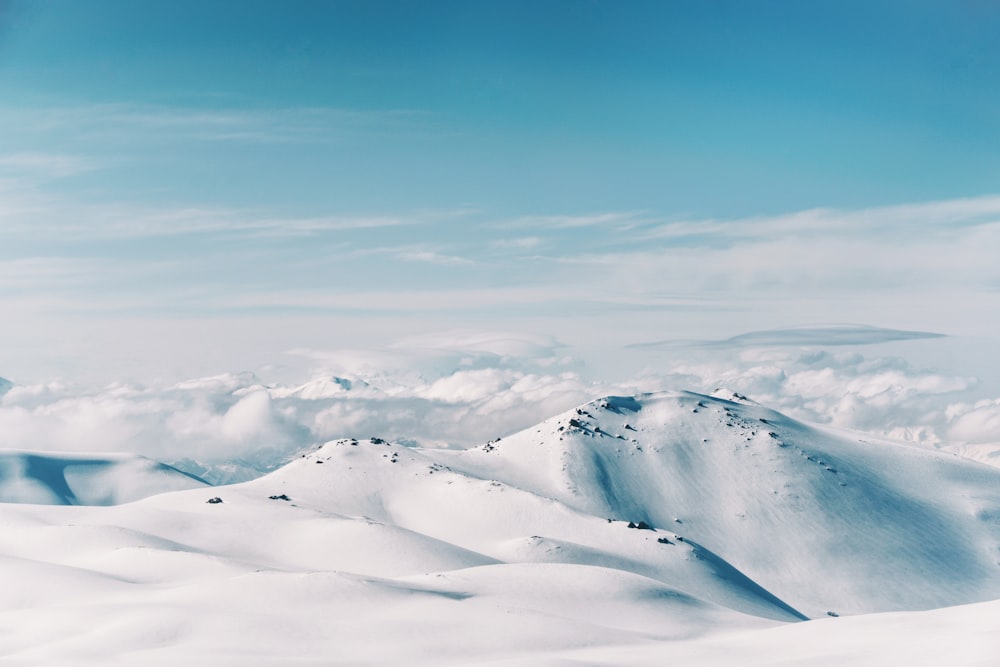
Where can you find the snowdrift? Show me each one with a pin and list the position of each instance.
(75, 479)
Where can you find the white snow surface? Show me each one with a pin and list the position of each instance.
(86, 479)
(518, 552)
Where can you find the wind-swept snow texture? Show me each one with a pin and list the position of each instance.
(823, 520)
(77, 479)
(630, 531)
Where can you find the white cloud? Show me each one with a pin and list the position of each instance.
(616, 219)
(459, 388)
(34, 273)
(149, 123)
(904, 220)
(466, 387)
(55, 165)
(976, 423)
(518, 243)
(815, 335)
(413, 253)
(882, 395)
(30, 215)
(917, 267)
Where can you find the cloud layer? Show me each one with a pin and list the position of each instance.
(464, 388)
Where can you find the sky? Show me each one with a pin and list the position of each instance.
(610, 191)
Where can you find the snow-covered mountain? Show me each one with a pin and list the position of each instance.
(824, 520)
(631, 530)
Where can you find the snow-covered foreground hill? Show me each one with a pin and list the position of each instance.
(743, 524)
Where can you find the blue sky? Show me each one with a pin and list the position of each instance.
(188, 187)
(716, 108)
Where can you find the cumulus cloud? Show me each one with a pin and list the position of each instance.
(977, 423)
(461, 388)
(454, 389)
(887, 396)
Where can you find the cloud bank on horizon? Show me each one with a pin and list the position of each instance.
(467, 388)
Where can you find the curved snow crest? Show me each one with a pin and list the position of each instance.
(80, 479)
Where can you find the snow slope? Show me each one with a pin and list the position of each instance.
(80, 479)
(520, 552)
(821, 519)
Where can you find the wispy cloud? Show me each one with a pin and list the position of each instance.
(906, 220)
(417, 253)
(939, 246)
(18, 165)
(267, 125)
(942, 276)
(442, 299)
(518, 243)
(827, 335)
(43, 273)
(615, 219)
(35, 215)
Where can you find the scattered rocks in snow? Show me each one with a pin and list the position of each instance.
(621, 404)
(832, 613)
(214, 501)
(642, 525)
(664, 540)
(278, 497)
